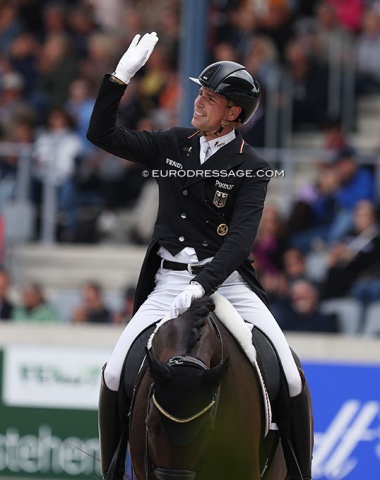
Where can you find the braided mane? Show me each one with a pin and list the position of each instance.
(195, 318)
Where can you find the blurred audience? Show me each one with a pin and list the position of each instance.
(57, 68)
(354, 263)
(53, 55)
(323, 211)
(330, 36)
(93, 308)
(6, 305)
(270, 241)
(301, 311)
(33, 306)
(309, 89)
(123, 315)
(54, 154)
(368, 54)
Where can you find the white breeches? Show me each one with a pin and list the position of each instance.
(169, 284)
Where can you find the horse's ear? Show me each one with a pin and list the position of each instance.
(213, 376)
(157, 369)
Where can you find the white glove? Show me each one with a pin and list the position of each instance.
(183, 301)
(136, 56)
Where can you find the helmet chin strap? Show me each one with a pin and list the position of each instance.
(222, 125)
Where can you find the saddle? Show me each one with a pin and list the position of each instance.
(267, 360)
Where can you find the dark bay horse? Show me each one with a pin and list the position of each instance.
(198, 411)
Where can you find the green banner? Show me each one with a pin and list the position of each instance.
(47, 443)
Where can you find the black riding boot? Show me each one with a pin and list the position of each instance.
(301, 432)
(110, 428)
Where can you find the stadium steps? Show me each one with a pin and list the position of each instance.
(67, 267)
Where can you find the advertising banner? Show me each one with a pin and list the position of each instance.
(48, 412)
(346, 402)
(52, 377)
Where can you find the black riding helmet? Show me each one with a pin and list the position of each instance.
(232, 80)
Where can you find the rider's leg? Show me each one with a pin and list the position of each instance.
(110, 429)
(253, 310)
(301, 431)
(154, 308)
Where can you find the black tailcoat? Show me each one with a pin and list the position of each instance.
(214, 208)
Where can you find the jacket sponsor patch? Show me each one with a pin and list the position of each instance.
(172, 163)
(225, 186)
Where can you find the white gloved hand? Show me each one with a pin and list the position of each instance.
(183, 301)
(136, 56)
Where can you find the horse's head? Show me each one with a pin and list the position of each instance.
(184, 394)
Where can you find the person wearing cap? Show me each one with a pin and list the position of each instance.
(206, 222)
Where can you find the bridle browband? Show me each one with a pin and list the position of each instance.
(172, 474)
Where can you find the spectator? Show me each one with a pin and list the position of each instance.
(53, 16)
(355, 182)
(12, 102)
(368, 54)
(123, 315)
(10, 25)
(270, 242)
(242, 24)
(276, 22)
(328, 206)
(278, 285)
(55, 151)
(334, 139)
(309, 91)
(329, 32)
(102, 52)
(34, 307)
(294, 265)
(19, 130)
(93, 308)
(81, 22)
(23, 57)
(262, 59)
(354, 263)
(313, 211)
(6, 306)
(301, 312)
(79, 105)
(349, 13)
(57, 68)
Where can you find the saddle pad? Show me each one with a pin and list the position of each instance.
(242, 332)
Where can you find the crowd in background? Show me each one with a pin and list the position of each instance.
(53, 55)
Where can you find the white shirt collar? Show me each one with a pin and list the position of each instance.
(219, 142)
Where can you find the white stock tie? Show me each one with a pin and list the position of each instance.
(205, 152)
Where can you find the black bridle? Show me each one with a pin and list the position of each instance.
(211, 409)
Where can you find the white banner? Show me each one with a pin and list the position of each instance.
(53, 377)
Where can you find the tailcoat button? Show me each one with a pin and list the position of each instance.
(205, 244)
(185, 192)
(183, 215)
(181, 238)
